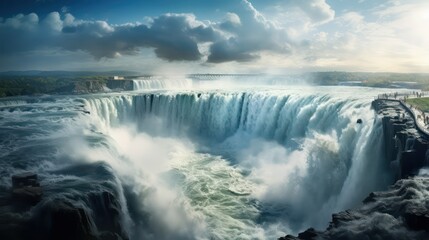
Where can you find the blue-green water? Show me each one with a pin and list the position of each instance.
(255, 163)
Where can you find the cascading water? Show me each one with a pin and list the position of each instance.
(150, 83)
(311, 141)
(212, 164)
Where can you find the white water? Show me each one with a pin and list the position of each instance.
(245, 164)
(255, 163)
(151, 83)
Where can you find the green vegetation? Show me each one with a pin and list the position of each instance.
(33, 85)
(393, 80)
(420, 103)
(57, 82)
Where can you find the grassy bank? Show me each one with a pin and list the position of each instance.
(420, 103)
(31, 85)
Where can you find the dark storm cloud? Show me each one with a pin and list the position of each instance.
(241, 37)
(172, 36)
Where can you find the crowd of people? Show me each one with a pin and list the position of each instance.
(403, 95)
(421, 116)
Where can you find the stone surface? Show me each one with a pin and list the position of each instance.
(70, 223)
(26, 188)
(25, 179)
(402, 212)
(28, 194)
(405, 145)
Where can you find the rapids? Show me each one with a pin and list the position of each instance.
(200, 163)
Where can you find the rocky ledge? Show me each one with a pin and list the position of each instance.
(406, 147)
(402, 211)
(35, 208)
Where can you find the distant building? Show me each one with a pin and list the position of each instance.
(118, 78)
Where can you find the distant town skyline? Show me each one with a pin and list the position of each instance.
(202, 36)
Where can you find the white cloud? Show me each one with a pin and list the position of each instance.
(53, 21)
(317, 10)
(172, 36)
(307, 35)
(22, 21)
(252, 36)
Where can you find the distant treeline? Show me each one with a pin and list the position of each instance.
(418, 80)
(33, 82)
(33, 85)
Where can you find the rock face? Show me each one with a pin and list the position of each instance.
(402, 212)
(70, 223)
(26, 188)
(126, 85)
(406, 148)
(87, 215)
(97, 86)
(100, 219)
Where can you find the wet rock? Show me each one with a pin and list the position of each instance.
(28, 194)
(110, 236)
(309, 234)
(25, 179)
(401, 212)
(359, 121)
(342, 217)
(70, 223)
(26, 188)
(106, 209)
(417, 218)
(370, 198)
(288, 237)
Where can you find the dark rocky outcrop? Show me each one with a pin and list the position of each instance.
(69, 222)
(406, 146)
(402, 212)
(107, 212)
(59, 214)
(26, 188)
(126, 85)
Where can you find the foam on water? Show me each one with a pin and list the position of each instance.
(207, 164)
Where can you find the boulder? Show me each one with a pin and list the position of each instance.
(25, 179)
(70, 223)
(308, 234)
(26, 188)
(31, 195)
(417, 219)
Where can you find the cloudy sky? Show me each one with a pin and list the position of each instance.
(207, 36)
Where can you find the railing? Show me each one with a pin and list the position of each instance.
(422, 129)
(403, 95)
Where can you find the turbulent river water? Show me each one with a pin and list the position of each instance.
(202, 162)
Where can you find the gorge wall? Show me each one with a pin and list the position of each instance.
(402, 211)
(406, 145)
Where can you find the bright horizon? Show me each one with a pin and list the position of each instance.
(275, 36)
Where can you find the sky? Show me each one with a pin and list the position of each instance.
(222, 36)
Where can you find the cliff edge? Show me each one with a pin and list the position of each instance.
(402, 211)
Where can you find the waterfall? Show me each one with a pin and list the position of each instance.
(150, 83)
(200, 163)
(325, 160)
